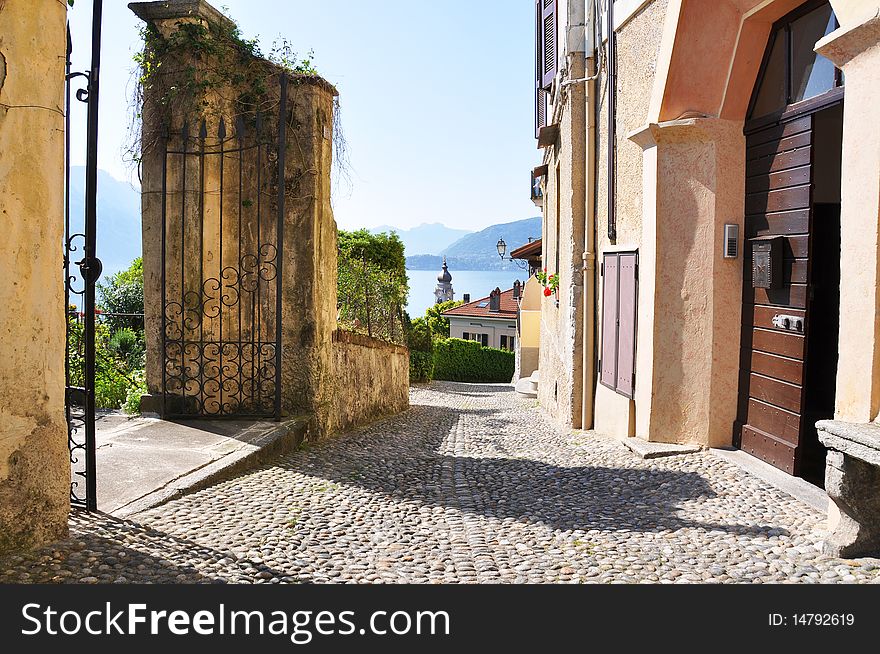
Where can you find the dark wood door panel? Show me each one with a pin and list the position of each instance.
(763, 316)
(783, 179)
(788, 199)
(775, 392)
(777, 342)
(781, 224)
(794, 295)
(781, 368)
(778, 162)
(772, 148)
(768, 448)
(777, 132)
(786, 425)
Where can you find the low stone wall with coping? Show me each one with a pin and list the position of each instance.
(371, 380)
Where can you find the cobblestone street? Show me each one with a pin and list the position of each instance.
(471, 485)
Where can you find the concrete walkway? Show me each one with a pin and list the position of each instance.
(472, 485)
(144, 462)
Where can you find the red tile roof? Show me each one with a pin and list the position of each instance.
(509, 308)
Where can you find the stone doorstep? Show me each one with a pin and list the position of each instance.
(285, 437)
(649, 450)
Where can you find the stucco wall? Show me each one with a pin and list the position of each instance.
(855, 47)
(34, 463)
(561, 361)
(638, 47)
(371, 380)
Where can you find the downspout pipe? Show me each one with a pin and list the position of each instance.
(588, 385)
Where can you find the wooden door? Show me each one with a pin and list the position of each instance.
(779, 170)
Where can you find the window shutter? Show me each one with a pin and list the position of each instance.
(540, 110)
(548, 42)
(626, 323)
(619, 306)
(610, 288)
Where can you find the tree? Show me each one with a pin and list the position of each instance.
(372, 285)
(436, 321)
(124, 293)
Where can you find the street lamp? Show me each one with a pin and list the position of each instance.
(501, 247)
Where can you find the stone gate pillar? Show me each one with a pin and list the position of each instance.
(308, 296)
(34, 461)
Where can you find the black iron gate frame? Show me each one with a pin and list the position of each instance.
(79, 401)
(218, 389)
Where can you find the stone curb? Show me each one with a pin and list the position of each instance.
(286, 437)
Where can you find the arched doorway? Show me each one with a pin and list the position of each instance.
(791, 289)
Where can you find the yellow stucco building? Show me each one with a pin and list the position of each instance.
(711, 199)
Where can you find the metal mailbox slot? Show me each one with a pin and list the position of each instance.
(767, 262)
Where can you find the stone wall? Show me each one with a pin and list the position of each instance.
(638, 45)
(371, 380)
(34, 463)
(561, 350)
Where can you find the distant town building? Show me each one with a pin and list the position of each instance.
(444, 292)
(490, 321)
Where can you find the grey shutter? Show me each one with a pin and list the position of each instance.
(626, 323)
(610, 288)
(548, 42)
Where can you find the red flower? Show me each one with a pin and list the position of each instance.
(547, 292)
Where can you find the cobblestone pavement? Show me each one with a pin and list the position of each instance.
(471, 485)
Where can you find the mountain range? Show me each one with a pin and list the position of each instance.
(119, 218)
(478, 251)
(119, 232)
(427, 238)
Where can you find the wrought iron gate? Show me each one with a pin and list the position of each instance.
(221, 265)
(79, 284)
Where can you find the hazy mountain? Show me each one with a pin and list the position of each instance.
(119, 218)
(478, 251)
(427, 238)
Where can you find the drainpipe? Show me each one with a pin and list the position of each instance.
(611, 62)
(588, 387)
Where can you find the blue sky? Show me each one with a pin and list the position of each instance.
(436, 99)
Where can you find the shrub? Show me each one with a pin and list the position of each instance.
(468, 361)
(128, 346)
(421, 366)
(132, 404)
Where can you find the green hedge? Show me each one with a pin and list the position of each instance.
(421, 366)
(468, 361)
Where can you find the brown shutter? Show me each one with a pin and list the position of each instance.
(540, 95)
(619, 297)
(540, 110)
(610, 288)
(626, 324)
(548, 42)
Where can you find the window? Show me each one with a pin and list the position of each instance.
(792, 72)
(619, 293)
(545, 57)
(483, 339)
(508, 342)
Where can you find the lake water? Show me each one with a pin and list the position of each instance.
(479, 283)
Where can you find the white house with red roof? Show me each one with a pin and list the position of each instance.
(489, 320)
